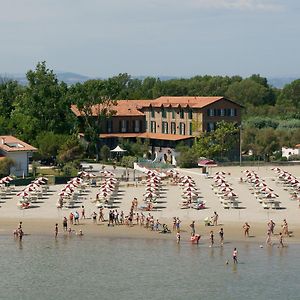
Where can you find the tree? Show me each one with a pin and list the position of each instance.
(93, 99)
(290, 95)
(5, 165)
(43, 106)
(70, 151)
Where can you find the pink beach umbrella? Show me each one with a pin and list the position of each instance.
(266, 189)
(189, 188)
(220, 173)
(150, 195)
(188, 184)
(230, 195)
(272, 195)
(23, 194)
(190, 194)
(260, 185)
(226, 189)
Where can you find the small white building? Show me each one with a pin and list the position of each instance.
(18, 151)
(287, 152)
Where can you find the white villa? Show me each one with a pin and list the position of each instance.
(18, 151)
(287, 152)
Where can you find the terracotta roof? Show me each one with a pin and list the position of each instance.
(196, 102)
(122, 108)
(297, 146)
(9, 143)
(147, 135)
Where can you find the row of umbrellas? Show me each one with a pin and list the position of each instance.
(108, 186)
(34, 186)
(69, 189)
(223, 186)
(288, 179)
(153, 185)
(189, 189)
(259, 185)
(6, 180)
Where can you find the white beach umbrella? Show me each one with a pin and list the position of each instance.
(271, 195)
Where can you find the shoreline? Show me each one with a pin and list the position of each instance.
(233, 231)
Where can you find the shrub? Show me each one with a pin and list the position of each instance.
(188, 159)
(5, 165)
(105, 153)
(294, 157)
(128, 161)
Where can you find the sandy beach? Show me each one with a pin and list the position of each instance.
(41, 218)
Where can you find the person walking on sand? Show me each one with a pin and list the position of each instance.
(246, 227)
(94, 217)
(192, 225)
(174, 223)
(211, 239)
(71, 217)
(285, 228)
(56, 230)
(221, 233)
(215, 218)
(101, 216)
(234, 256)
(82, 212)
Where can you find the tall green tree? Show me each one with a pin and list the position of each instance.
(43, 106)
(93, 98)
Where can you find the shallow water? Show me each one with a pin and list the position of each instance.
(85, 268)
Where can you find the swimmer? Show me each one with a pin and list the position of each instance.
(211, 239)
(80, 233)
(221, 233)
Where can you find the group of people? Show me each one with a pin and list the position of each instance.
(270, 232)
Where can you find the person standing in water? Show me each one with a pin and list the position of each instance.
(280, 240)
(221, 233)
(178, 237)
(192, 225)
(211, 239)
(56, 230)
(234, 256)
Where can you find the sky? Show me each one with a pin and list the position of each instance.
(184, 38)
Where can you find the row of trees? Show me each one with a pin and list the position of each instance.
(40, 111)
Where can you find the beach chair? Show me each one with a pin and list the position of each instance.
(276, 205)
(265, 205)
(226, 205)
(235, 204)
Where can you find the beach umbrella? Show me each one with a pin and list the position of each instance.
(189, 188)
(276, 169)
(23, 194)
(150, 195)
(266, 189)
(218, 177)
(190, 194)
(64, 194)
(230, 195)
(226, 189)
(260, 185)
(189, 184)
(220, 173)
(29, 189)
(221, 180)
(271, 195)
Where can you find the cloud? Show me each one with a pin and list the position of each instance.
(248, 5)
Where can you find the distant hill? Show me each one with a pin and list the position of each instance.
(280, 82)
(67, 77)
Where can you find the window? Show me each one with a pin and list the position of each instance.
(164, 127)
(173, 114)
(123, 126)
(181, 113)
(210, 112)
(182, 128)
(163, 113)
(190, 114)
(136, 125)
(232, 112)
(210, 127)
(191, 128)
(222, 112)
(152, 113)
(153, 126)
(173, 128)
(109, 126)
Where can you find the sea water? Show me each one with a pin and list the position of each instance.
(41, 267)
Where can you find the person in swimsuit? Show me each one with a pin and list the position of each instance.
(234, 256)
(281, 240)
(178, 237)
(94, 217)
(246, 229)
(82, 212)
(65, 224)
(192, 225)
(56, 230)
(268, 240)
(221, 233)
(215, 218)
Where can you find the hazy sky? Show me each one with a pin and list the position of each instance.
(152, 37)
